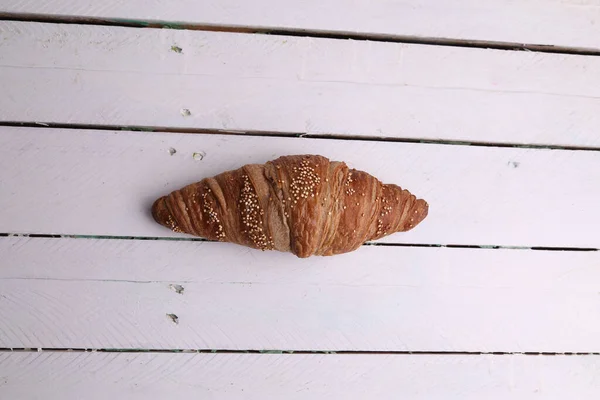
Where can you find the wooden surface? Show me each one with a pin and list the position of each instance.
(571, 23)
(104, 182)
(97, 301)
(295, 376)
(84, 293)
(233, 81)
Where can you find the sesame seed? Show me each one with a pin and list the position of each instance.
(212, 218)
(252, 216)
(304, 181)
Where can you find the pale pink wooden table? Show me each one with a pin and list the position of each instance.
(491, 112)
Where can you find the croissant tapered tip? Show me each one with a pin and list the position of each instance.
(160, 213)
(418, 212)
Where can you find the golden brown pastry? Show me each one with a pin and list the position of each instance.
(303, 204)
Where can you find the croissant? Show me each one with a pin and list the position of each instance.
(303, 204)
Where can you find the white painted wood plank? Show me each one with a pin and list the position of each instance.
(181, 262)
(103, 183)
(239, 316)
(547, 22)
(125, 76)
(82, 293)
(66, 376)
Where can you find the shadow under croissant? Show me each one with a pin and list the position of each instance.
(303, 204)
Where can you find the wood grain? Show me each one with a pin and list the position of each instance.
(551, 22)
(82, 293)
(67, 376)
(117, 376)
(52, 73)
(87, 182)
(180, 262)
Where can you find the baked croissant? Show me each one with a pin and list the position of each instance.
(304, 204)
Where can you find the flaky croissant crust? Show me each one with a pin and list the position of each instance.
(303, 204)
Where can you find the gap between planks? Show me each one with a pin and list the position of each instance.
(254, 351)
(198, 239)
(297, 135)
(314, 33)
